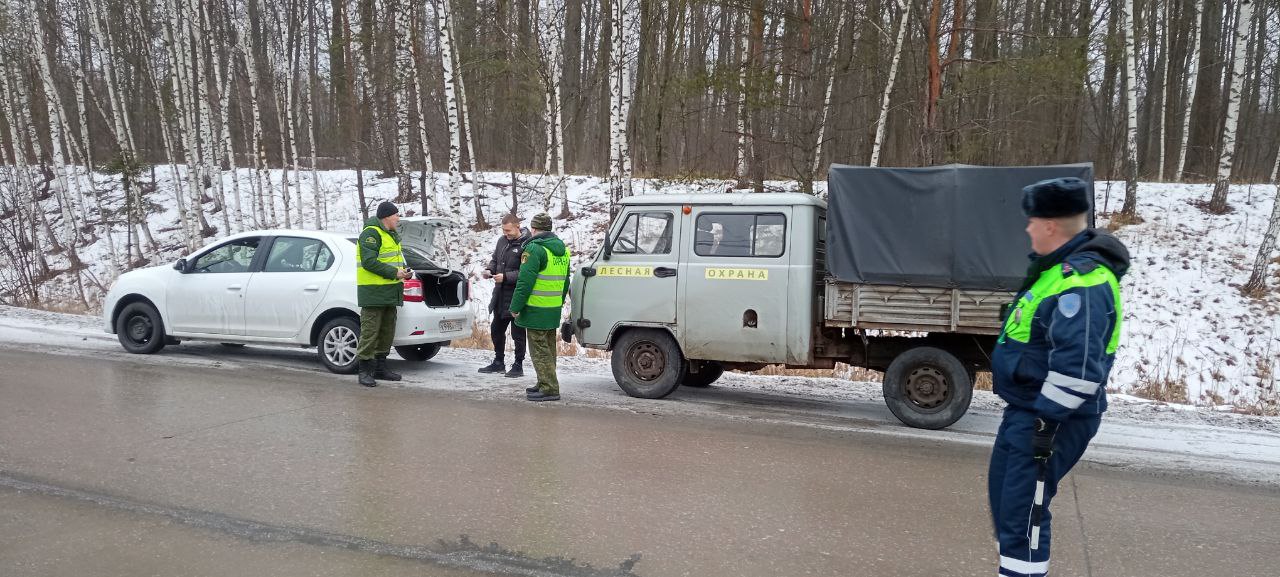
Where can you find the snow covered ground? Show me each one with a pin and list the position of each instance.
(1190, 337)
(1137, 434)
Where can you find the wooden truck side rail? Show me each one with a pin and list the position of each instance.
(917, 309)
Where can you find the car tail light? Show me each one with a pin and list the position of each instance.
(413, 291)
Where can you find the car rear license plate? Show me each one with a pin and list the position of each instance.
(451, 325)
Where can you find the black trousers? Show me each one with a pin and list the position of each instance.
(498, 330)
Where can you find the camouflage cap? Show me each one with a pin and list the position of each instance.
(542, 221)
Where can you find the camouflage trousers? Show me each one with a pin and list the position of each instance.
(542, 348)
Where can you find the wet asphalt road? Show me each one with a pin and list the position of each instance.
(119, 468)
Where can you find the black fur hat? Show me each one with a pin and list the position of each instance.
(1056, 198)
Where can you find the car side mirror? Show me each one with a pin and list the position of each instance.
(608, 248)
(181, 266)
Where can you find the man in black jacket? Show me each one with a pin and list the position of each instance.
(504, 268)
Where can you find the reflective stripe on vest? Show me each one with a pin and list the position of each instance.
(1051, 283)
(548, 289)
(390, 253)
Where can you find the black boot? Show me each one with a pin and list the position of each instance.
(380, 370)
(497, 366)
(517, 370)
(366, 373)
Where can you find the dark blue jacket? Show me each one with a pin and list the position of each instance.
(1060, 337)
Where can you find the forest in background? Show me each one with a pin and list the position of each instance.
(432, 92)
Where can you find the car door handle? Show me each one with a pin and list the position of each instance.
(664, 272)
(311, 288)
(234, 287)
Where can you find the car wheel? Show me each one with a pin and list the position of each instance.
(927, 388)
(647, 363)
(418, 353)
(338, 341)
(140, 329)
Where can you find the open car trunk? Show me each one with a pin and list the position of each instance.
(441, 287)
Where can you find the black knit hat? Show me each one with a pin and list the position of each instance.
(387, 209)
(1056, 198)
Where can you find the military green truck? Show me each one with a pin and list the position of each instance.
(907, 271)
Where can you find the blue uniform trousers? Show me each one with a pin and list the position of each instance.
(1011, 486)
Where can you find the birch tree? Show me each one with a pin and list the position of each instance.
(261, 182)
(477, 200)
(1190, 99)
(58, 129)
(905, 7)
(740, 118)
(550, 40)
(451, 104)
(1130, 208)
(1161, 86)
(826, 99)
(400, 96)
(1226, 154)
(621, 21)
(428, 170)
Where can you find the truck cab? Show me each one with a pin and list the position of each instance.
(687, 285)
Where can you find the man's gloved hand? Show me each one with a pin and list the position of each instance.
(1042, 440)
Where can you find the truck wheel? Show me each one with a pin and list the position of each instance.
(927, 388)
(708, 372)
(418, 353)
(647, 363)
(338, 341)
(140, 329)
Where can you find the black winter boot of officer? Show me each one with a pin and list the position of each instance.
(380, 370)
(366, 373)
(497, 366)
(517, 370)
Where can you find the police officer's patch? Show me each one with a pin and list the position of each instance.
(369, 240)
(524, 258)
(1069, 304)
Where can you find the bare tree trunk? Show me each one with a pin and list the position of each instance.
(223, 68)
(321, 207)
(1257, 282)
(404, 74)
(1218, 202)
(476, 198)
(620, 105)
(1194, 73)
(740, 150)
(257, 141)
(1162, 87)
(428, 170)
(826, 99)
(882, 121)
(1130, 208)
(451, 106)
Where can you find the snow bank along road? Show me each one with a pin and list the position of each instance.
(1136, 435)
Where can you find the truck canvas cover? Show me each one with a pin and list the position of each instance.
(954, 226)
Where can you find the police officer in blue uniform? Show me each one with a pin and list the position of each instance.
(1051, 366)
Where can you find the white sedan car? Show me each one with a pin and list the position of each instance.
(286, 287)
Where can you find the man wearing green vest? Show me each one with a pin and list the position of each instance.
(380, 274)
(1051, 366)
(538, 301)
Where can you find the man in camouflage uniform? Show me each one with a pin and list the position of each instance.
(380, 274)
(538, 301)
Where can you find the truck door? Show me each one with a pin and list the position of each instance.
(733, 287)
(637, 284)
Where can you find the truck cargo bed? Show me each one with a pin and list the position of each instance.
(919, 309)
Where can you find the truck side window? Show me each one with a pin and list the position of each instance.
(740, 235)
(645, 233)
